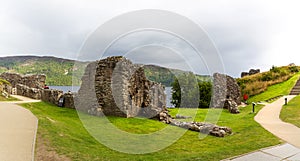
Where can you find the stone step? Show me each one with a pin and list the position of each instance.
(296, 88)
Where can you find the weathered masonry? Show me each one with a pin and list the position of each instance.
(119, 88)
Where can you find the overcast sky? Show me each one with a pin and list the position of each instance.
(247, 34)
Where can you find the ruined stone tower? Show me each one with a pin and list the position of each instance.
(121, 89)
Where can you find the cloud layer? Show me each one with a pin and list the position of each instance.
(251, 34)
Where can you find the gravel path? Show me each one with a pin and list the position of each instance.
(18, 131)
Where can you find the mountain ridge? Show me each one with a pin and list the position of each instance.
(59, 71)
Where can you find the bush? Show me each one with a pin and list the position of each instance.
(293, 69)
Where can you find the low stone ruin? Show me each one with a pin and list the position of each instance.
(32, 86)
(202, 127)
(25, 85)
(69, 100)
(51, 95)
(32, 80)
(251, 72)
(26, 91)
(226, 93)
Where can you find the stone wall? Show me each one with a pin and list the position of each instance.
(25, 85)
(69, 100)
(114, 86)
(86, 99)
(51, 95)
(251, 72)
(26, 91)
(224, 87)
(32, 81)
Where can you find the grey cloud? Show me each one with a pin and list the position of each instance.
(241, 31)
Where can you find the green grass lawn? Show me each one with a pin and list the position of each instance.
(283, 88)
(291, 112)
(64, 131)
(66, 134)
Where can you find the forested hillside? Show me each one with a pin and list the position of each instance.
(60, 71)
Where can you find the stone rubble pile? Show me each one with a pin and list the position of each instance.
(202, 127)
(231, 106)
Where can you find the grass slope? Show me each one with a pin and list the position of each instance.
(283, 88)
(291, 112)
(258, 83)
(65, 133)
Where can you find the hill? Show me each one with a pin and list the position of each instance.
(60, 71)
(258, 83)
(167, 76)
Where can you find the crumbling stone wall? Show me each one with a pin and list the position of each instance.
(26, 91)
(251, 72)
(69, 100)
(32, 81)
(225, 87)
(86, 99)
(51, 95)
(123, 90)
(120, 89)
(25, 85)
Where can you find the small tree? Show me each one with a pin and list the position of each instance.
(185, 91)
(190, 93)
(205, 89)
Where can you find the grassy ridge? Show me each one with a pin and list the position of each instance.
(283, 88)
(258, 83)
(66, 134)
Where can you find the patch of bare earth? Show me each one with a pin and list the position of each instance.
(43, 152)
